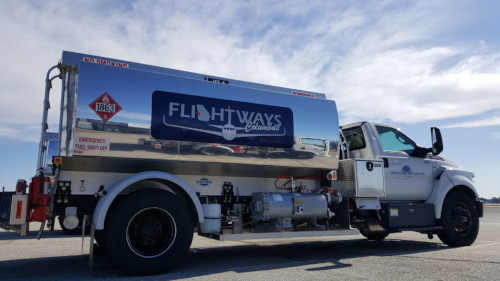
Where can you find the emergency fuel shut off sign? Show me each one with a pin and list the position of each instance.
(105, 106)
(83, 144)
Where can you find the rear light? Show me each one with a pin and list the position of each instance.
(21, 187)
(57, 160)
(332, 175)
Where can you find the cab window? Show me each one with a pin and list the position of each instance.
(355, 138)
(394, 140)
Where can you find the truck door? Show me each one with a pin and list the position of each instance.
(406, 177)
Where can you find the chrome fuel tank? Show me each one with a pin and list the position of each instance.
(117, 111)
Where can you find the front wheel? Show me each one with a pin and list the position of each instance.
(460, 220)
(148, 232)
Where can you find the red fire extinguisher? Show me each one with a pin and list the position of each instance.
(38, 198)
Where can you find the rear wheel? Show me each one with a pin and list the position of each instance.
(99, 238)
(148, 232)
(460, 220)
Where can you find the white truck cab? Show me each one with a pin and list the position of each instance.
(418, 180)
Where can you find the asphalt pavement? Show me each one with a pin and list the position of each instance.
(401, 256)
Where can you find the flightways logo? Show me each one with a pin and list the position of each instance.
(254, 121)
(203, 119)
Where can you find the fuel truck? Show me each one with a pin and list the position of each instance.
(144, 157)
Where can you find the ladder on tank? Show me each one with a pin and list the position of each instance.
(42, 148)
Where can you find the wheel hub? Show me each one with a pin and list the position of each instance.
(151, 232)
(462, 219)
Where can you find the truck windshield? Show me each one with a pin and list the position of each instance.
(394, 140)
(355, 138)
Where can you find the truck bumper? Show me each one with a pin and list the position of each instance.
(480, 208)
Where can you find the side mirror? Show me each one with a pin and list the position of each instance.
(437, 141)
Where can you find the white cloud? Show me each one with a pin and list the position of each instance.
(378, 60)
(26, 132)
(492, 121)
(403, 85)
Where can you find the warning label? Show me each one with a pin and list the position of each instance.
(105, 106)
(90, 144)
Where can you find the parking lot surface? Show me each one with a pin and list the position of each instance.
(401, 256)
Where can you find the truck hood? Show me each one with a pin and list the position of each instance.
(445, 162)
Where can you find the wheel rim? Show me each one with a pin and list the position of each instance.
(151, 232)
(461, 219)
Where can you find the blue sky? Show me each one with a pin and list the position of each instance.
(411, 64)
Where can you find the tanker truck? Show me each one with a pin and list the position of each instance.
(144, 157)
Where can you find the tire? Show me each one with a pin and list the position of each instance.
(148, 232)
(460, 220)
(99, 238)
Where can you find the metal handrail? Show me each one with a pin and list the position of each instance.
(45, 126)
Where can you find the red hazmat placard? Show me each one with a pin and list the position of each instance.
(105, 106)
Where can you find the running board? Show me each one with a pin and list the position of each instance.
(422, 229)
(284, 234)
